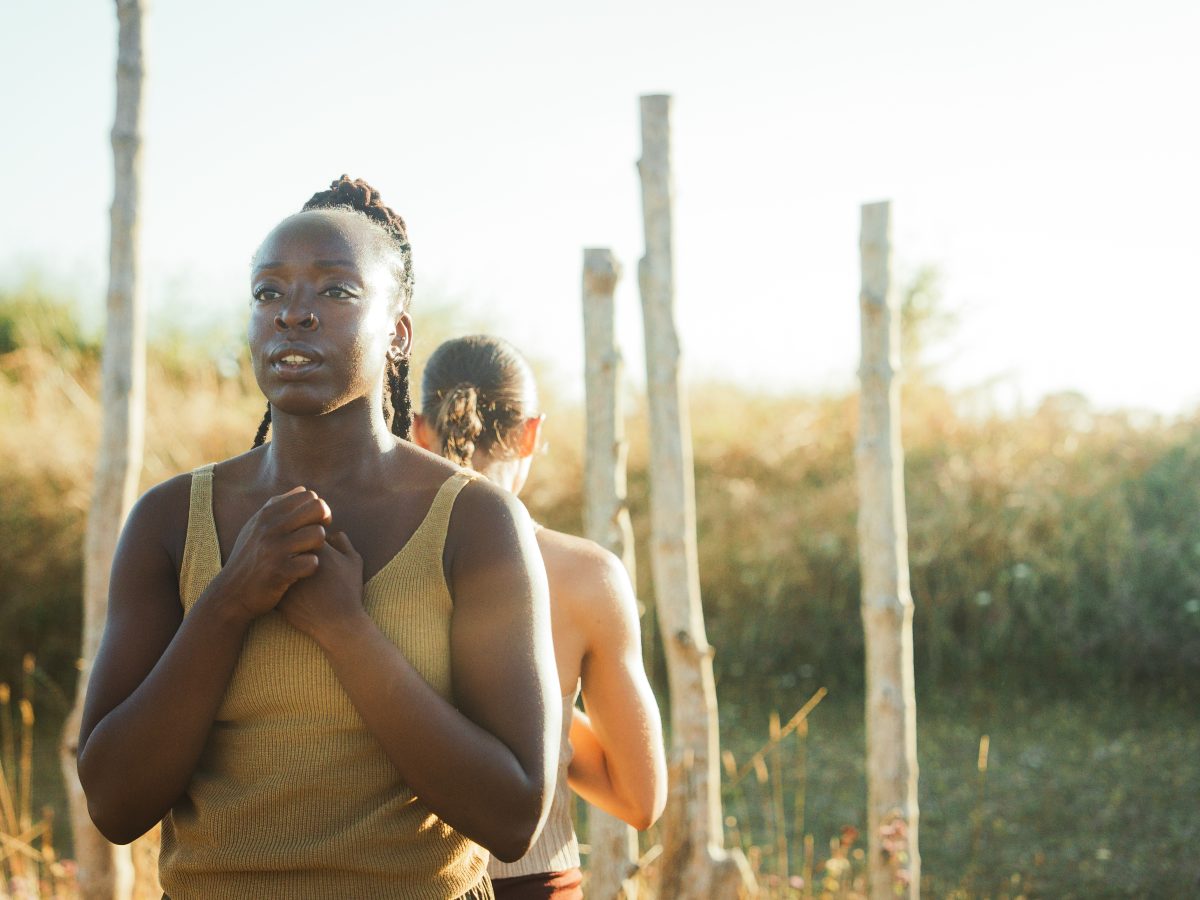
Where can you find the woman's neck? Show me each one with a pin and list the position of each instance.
(503, 473)
(347, 444)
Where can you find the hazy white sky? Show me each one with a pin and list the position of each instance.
(1044, 155)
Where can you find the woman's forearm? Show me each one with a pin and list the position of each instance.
(460, 771)
(140, 756)
(588, 772)
(593, 777)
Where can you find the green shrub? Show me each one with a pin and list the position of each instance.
(1057, 547)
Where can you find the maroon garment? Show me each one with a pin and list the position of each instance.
(543, 886)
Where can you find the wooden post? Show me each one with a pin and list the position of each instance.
(695, 865)
(887, 606)
(106, 871)
(614, 844)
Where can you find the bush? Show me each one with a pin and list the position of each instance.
(1058, 547)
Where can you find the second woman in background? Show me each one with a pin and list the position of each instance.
(479, 409)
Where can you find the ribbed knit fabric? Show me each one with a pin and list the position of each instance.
(293, 797)
(556, 848)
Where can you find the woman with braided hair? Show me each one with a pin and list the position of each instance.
(327, 667)
(479, 409)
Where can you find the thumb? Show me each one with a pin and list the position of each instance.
(340, 542)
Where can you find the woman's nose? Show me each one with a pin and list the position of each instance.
(304, 320)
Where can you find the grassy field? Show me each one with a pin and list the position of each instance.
(1094, 796)
(1057, 545)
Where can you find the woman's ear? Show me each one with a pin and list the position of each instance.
(422, 433)
(531, 436)
(402, 335)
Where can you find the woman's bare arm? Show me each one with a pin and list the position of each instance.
(618, 763)
(159, 677)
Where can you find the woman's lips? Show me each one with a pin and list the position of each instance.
(294, 362)
(295, 366)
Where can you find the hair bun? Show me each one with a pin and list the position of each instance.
(354, 193)
(459, 423)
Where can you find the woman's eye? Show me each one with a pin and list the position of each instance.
(267, 294)
(338, 292)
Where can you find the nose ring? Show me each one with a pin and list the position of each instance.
(308, 323)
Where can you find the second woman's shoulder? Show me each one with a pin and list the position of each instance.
(578, 560)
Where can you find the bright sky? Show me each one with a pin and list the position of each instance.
(1043, 154)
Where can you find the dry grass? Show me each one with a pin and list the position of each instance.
(1053, 550)
(29, 865)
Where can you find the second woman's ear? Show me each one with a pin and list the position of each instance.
(422, 433)
(531, 436)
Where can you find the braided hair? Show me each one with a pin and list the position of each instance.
(360, 197)
(475, 393)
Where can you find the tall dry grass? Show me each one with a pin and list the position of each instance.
(1051, 547)
(49, 378)
(29, 864)
(1056, 548)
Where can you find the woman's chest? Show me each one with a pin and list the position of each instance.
(380, 524)
(283, 675)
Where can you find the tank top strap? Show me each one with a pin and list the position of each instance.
(437, 520)
(424, 551)
(201, 550)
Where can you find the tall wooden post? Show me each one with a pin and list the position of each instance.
(695, 864)
(614, 844)
(887, 606)
(106, 871)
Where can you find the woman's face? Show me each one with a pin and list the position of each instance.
(324, 313)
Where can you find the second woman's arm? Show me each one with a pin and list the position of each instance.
(619, 762)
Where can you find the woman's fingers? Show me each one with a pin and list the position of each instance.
(340, 542)
(291, 499)
(301, 566)
(299, 509)
(307, 539)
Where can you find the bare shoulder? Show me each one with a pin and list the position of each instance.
(419, 467)
(160, 517)
(166, 497)
(578, 558)
(482, 506)
(586, 580)
(490, 538)
(240, 468)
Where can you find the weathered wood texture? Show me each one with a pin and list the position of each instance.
(695, 865)
(887, 606)
(614, 845)
(106, 871)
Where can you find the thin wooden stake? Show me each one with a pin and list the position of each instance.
(695, 864)
(105, 871)
(887, 606)
(614, 844)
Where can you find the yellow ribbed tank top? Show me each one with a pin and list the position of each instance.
(293, 797)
